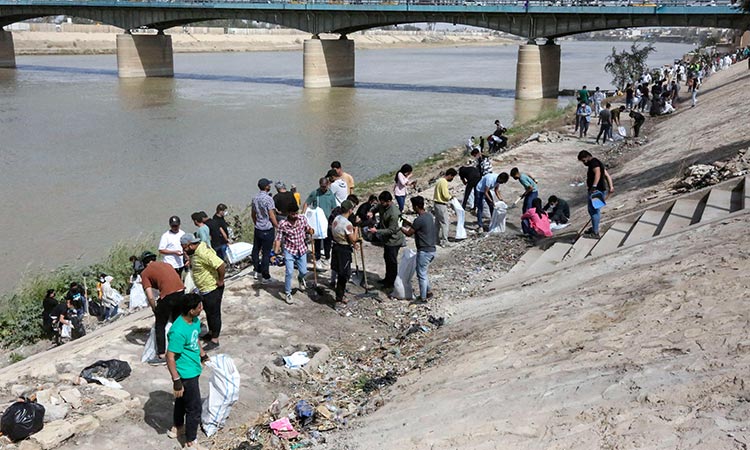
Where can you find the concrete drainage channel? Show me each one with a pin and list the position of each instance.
(277, 370)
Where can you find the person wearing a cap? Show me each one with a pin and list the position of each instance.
(338, 186)
(161, 276)
(345, 238)
(208, 275)
(284, 201)
(324, 199)
(264, 217)
(336, 165)
(169, 245)
(292, 235)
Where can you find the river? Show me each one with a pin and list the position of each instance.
(88, 160)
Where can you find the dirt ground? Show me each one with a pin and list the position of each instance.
(646, 348)
(636, 350)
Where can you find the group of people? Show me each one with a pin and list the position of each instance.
(496, 141)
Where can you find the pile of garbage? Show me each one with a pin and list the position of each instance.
(547, 136)
(702, 175)
(43, 413)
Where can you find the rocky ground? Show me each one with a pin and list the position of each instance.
(651, 357)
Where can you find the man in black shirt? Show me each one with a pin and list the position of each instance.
(638, 120)
(219, 231)
(424, 228)
(366, 213)
(284, 201)
(77, 295)
(470, 177)
(558, 210)
(48, 305)
(599, 185)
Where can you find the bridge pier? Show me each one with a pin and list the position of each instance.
(7, 50)
(144, 55)
(328, 62)
(538, 71)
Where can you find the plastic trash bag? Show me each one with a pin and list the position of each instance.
(305, 412)
(318, 221)
(149, 350)
(238, 251)
(622, 131)
(111, 368)
(223, 392)
(497, 224)
(22, 419)
(137, 295)
(461, 216)
(296, 360)
(190, 287)
(402, 286)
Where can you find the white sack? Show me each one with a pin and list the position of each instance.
(137, 295)
(497, 224)
(318, 221)
(223, 392)
(238, 251)
(460, 217)
(402, 286)
(149, 350)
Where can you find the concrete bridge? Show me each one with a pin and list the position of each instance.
(330, 62)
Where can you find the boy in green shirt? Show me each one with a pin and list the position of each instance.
(184, 358)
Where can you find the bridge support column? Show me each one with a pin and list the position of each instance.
(7, 50)
(144, 55)
(328, 62)
(538, 71)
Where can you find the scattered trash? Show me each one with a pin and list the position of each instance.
(283, 428)
(702, 175)
(22, 419)
(111, 369)
(296, 360)
(379, 382)
(438, 322)
(305, 412)
(224, 391)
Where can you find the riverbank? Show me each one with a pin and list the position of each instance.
(91, 41)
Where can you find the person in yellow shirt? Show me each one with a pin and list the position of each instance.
(441, 197)
(208, 275)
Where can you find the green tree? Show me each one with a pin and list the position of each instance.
(626, 66)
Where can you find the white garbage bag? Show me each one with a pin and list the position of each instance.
(497, 224)
(137, 295)
(622, 131)
(238, 251)
(318, 221)
(223, 392)
(149, 350)
(190, 286)
(460, 217)
(402, 286)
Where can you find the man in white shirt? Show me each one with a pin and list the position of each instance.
(338, 186)
(170, 246)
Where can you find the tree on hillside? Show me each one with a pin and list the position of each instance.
(627, 66)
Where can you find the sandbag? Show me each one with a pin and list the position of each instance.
(149, 350)
(460, 218)
(223, 392)
(137, 295)
(111, 368)
(497, 224)
(238, 251)
(402, 286)
(22, 419)
(318, 221)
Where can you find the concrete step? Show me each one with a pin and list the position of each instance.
(680, 216)
(612, 238)
(549, 259)
(526, 260)
(580, 249)
(646, 227)
(718, 204)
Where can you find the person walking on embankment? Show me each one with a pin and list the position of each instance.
(605, 123)
(598, 184)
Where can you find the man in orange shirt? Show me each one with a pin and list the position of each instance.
(336, 165)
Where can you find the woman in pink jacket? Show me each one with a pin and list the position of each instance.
(535, 222)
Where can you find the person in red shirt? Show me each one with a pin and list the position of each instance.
(161, 276)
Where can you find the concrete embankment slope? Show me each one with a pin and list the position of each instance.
(646, 348)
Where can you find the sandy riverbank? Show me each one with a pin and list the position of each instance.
(90, 43)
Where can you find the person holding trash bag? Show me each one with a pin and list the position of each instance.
(390, 234)
(161, 276)
(423, 230)
(598, 182)
(184, 359)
